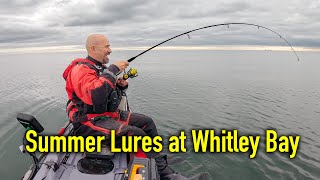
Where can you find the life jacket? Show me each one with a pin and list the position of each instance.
(114, 97)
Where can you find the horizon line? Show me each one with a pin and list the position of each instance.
(76, 48)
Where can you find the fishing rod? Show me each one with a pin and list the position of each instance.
(215, 25)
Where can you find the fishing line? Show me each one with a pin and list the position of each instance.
(215, 25)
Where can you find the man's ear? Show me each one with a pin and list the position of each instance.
(93, 49)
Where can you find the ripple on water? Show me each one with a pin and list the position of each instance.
(211, 98)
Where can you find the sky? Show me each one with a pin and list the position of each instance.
(63, 25)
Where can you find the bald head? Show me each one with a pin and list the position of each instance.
(95, 40)
(98, 47)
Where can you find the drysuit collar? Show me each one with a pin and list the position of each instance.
(95, 61)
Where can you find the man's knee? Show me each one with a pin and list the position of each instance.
(98, 127)
(144, 118)
(132, 130)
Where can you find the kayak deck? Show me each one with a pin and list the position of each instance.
(69, 167)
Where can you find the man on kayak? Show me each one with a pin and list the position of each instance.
(94, 93)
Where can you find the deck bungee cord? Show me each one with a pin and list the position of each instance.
(215, 25)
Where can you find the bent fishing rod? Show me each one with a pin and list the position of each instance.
(215, 25)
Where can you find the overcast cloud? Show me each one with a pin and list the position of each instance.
(134, 23)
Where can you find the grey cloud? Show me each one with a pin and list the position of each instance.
(214, 9)
(23, 30)
(100, 13)
(144, 23)
(19, 6)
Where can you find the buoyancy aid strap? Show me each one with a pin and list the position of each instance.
(97, 69)
(111, 73)
(91, 66)
(128, 118)
(114, 115)
(71, 113)
(120, 129)
(68, 106)
(97, 128)
(88, 117)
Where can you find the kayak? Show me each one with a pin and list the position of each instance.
(94, 166)
(103, 165)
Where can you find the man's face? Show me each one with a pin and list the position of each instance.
(102, 51)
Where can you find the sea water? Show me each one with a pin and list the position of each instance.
(250, 91)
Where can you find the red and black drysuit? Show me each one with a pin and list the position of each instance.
(94, 98)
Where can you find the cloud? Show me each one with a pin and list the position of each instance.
(144, 23)
(19, 6)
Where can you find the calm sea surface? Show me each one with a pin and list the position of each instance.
(182, 90)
